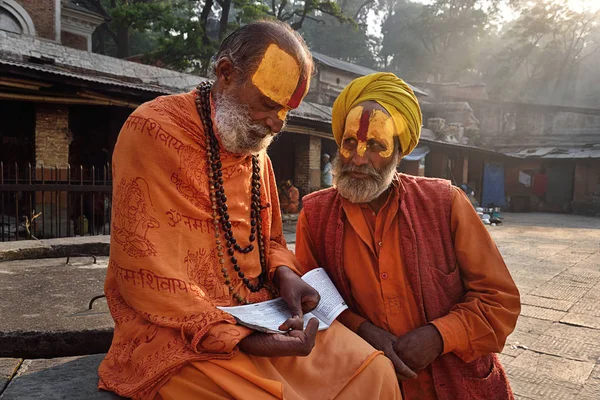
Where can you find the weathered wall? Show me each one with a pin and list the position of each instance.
(587, 181)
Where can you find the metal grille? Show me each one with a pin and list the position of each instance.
(42, 203)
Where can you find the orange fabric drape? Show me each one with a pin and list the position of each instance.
(340, 366)
(164, 279)
(373, 264)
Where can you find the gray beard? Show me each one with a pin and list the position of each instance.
(238, 134)
(363, 190)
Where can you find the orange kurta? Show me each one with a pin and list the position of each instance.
(373, 264)
(164, 280)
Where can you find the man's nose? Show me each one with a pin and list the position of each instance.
(359, 160)
(275, 124)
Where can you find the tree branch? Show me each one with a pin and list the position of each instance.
(297, 25)
(281, 8)
(366, 3)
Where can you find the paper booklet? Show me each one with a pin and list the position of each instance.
(269, 315)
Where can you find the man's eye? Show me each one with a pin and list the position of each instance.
(270, 105)
(375, 146)
(349, 143)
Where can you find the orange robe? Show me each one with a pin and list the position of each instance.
(373, 264)
(164, 280)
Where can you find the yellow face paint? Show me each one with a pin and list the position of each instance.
(363, 125)
(280, 78)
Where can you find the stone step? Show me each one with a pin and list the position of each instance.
(57, 378)
(44, 308)
(50, 248)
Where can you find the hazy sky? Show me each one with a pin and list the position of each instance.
(578, 5)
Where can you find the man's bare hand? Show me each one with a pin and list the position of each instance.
(294, 343)
(298, 295)
(384, 341)
(420, 347)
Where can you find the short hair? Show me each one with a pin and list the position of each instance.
(246, 46)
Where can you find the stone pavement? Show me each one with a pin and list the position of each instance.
(44, 307)
(554, 352)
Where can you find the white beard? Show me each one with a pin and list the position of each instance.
(238, 134)
(363, 190)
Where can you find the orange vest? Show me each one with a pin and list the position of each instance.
(429, 258)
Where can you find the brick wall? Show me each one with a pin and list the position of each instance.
(51, 135)
(73, 40)
(314, 163)
(302, 163)
(307, 171)
(43, 14)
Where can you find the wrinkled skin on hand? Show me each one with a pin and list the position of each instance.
(296, 342)
(420, 347)
(384, 341)
(298, 295)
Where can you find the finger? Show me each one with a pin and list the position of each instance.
(309, 333)
(294, 302)
(311, 328)
(402, 370)
(310, 301)
(294, 323)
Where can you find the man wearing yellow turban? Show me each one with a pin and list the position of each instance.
(423, 279)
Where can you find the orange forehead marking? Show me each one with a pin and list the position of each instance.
(279, 77)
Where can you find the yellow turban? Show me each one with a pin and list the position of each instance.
(393, 94)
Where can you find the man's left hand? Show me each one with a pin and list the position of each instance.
(299, 296)
(420, 347)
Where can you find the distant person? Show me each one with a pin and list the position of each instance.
(326, 178)
(289, 198)
(470, 193)
(421, 275)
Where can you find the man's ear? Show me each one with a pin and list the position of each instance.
(225, 72)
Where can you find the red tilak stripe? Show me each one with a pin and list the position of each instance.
(361, 135)
(298, 94)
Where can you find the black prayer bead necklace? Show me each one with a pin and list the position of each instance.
(219, 204)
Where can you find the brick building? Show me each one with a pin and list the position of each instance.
(559, 145)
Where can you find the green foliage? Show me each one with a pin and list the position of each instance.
(348, 41)
(545, 55)
(437, 40)
(549, 53)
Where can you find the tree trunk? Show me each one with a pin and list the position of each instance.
(122, 42)
(224, 19)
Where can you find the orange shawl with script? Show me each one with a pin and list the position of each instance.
(164, 279)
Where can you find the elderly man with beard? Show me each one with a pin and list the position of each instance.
(217, 240)
(421, 275)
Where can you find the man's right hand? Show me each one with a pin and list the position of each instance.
(294, 343)
(384, 341)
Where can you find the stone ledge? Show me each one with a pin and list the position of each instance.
(58, 378)
(46, 344)
(52, 248)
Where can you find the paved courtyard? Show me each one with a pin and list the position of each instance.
(554, 352)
